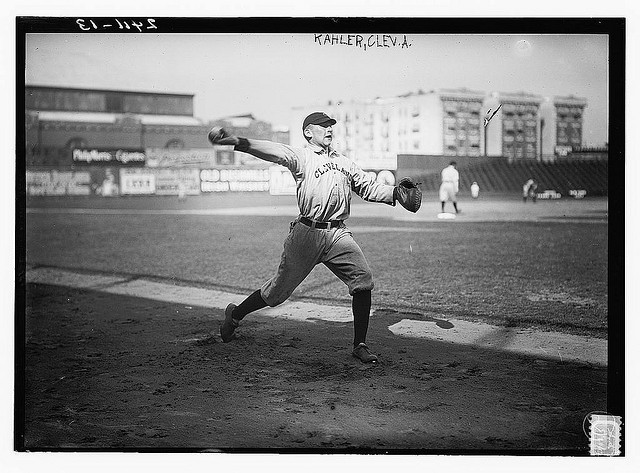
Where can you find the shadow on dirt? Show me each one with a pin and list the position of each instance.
(114, 372)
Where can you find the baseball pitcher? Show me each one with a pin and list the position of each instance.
(324, 181)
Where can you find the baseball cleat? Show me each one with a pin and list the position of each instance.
(362, 353)
(229, 325)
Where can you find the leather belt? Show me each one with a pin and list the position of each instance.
(323, 225)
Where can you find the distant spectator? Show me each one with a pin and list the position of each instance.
(475, 190)
(109, 186)
(449, 186)
(529, 190)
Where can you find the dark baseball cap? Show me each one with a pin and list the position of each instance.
(318, 118)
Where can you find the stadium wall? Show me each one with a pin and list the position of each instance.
(418, 164)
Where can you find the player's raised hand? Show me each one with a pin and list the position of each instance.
(219, 136)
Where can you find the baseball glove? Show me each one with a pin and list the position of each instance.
(408, 194)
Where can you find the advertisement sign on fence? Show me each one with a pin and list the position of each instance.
(234, 180)
(177, 181)
(171, 158)
(137, 182)
(100, 156)
(58, 183)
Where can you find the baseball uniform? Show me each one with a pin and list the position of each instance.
(324, 181)
(475, 190)
(449, 186)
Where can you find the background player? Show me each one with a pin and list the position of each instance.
(475, 190)
(530, 189)
(449, 185)
(324, 181)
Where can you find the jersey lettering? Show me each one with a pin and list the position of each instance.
(326, 167)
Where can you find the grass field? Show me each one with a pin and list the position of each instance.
(501, 261)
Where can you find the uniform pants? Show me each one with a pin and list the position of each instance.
(304, 248)
(447, 191)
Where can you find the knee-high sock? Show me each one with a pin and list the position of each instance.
(250, 304)
(361, 305)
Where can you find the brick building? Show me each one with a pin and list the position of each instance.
(59, 120)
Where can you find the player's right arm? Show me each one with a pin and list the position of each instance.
(271, 151)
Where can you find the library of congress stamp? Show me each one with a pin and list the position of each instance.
(604, 434)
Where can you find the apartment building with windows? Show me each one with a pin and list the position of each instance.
(561, 125)
(373, 132)
(450, 122)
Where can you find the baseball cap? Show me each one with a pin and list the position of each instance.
(318, 118)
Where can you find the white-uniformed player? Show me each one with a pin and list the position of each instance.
(449, 186)
(475, 190)
(324, 181)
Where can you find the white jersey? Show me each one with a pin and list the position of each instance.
(450, 174)
(449, 186)
(324, 179)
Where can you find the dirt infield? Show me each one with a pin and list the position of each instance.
(105, 371)
(124, 372)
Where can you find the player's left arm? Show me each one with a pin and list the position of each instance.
(369, 189)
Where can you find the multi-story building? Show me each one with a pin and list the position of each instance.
(514, 131)
(110, 143)
(374, 132)
(62, 119)
(59, 120)
(462, 122)
(449, 122)
(561, 123)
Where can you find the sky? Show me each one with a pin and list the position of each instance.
(268, 74)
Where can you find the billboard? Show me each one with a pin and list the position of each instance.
(177, 181)
(58, 183)
(108, 156)
(137, 182)
(234, 180)
(197, 157)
